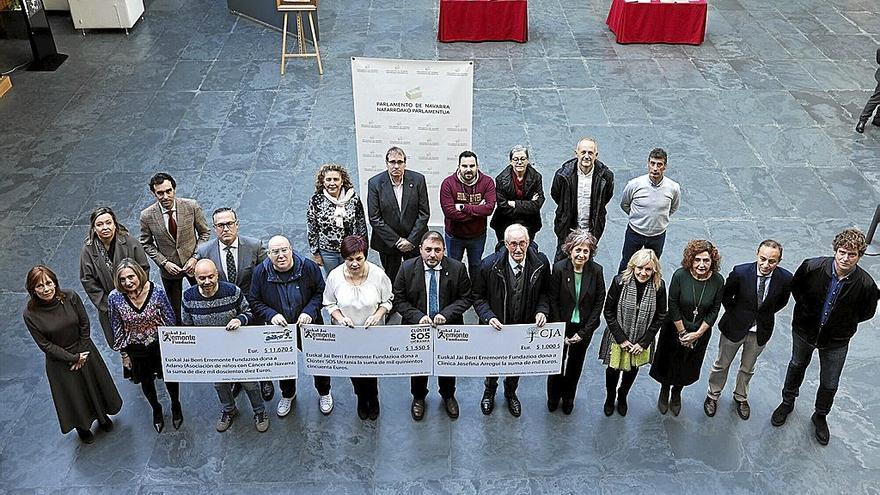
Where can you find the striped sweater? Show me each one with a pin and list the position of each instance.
(215, 311)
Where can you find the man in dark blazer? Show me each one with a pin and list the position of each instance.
(171, 230)
(433, 289)
(873, 103)
(397, 204)
(235, 257)
(511, 288)
(753, 294)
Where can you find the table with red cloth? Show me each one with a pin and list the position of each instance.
(658, 22)
(483, 20)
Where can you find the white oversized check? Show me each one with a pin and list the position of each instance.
(480, 350)
(401, 350)
(212, 354)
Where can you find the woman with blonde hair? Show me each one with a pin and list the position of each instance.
(335, 212)
(634, 310)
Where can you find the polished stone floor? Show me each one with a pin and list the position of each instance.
(758, 122)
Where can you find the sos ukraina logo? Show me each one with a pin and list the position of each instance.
(543, 333)
(281, 335)
(419, 335)
(179, 337)
(453, 335)
(318, 335)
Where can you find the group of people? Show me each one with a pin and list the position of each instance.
(234, 281)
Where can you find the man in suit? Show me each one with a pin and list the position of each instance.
(511, 288)
(582, 187)
(873, 103)
(753, 294)
(235, 257)
(832, 295)
(171, 230)
(397, 204)
(433, 289)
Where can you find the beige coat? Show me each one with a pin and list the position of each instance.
(192, 230)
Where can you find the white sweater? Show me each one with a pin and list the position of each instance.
(358, 302)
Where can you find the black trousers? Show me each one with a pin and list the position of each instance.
(510, 384)
(391, 262)
(873, 103)
(418, 386)
(288, 387)
(564, 385)
(174, 290)
(366, 389)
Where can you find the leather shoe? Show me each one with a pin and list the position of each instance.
(176, 416)
(158, 421)
(608, 407)
(663, 400)
(710, 405)
(267, 390)
(514, 405)
(106, 424)
(451, 407)
(362, 409)
(743, 410)
(488, 403)
(552, 405)
(86, 435)
(622, 406)
(860, 127)
(822, 433)
(780, 414)
(374, 409)
(418, 409)
(567, 406)
(675, 404)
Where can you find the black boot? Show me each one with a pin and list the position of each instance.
(176, 415)
(663, 400)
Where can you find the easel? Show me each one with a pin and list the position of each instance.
(298, 6)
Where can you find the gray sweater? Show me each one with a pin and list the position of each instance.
(649, 206)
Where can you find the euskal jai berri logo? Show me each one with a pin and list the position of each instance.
(179, 337)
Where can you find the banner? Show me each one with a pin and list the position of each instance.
(391, 350)
(424, 107)
(480, 350)
(213, 354)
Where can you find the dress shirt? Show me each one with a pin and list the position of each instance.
(398, 191)
(234, 249)
(585, 191)
(766, 291)
(833, 291)
(428, 285)
(173, 211)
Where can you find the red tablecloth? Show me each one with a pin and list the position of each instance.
(657, 22)
(483, 20)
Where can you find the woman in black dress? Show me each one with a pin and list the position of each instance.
(577, 291)
(82, 389)
(634, 310)
(694, 301)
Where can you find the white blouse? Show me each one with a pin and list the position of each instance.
(358, 302)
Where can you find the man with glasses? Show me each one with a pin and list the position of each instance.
(235, 257)
(511, 288)
(519, 190)
(582, 187)
(397, 204)
(832, 295)
(287, 289)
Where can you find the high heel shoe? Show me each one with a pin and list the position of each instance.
(158, 421)
(176, 416)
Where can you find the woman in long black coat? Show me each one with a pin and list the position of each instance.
(577, 293)
(82, 389)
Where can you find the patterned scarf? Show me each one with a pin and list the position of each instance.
(99, 246)
(634, 318)
(339, 211)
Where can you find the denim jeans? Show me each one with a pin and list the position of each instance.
(633, 241)
(456, 247)
(252, 389)
(332, 259)
(830, 366)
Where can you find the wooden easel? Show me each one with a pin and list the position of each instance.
(299, 6)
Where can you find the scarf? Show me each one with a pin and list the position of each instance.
(108, 258)
(634, 318)
(338, 215)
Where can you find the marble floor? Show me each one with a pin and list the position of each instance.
(758, 122)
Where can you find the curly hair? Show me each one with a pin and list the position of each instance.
(332, 167)
(577, 237)
(850, 239)
(697, 246)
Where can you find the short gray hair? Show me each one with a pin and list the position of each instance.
(515, 227)
(517, 149)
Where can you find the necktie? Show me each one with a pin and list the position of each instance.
(762, 287)
(433, 298)
(230, 265)
(517, 271)
(172, 224)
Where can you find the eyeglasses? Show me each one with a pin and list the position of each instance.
(519, 159)
(396, 162)
(226, 225)
(276, 252)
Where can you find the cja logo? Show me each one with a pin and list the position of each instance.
(544, 333)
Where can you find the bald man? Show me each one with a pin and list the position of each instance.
(214, 303)
(286, 289)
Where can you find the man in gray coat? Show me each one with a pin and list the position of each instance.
(873, 103)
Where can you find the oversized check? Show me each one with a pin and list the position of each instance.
(392, 350)
(212, 354)
(480, 350)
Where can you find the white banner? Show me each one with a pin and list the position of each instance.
(424, 107)
(480, 350)
(213, 354)
(367, 352)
